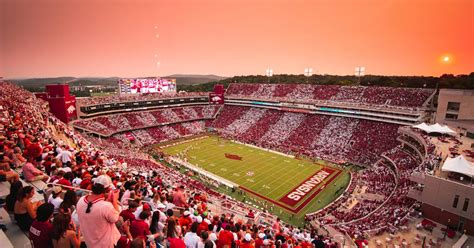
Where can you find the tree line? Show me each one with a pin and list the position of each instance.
(445, 81)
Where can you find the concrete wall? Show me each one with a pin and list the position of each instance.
(448, 219)
(440, 193)
(464, 97)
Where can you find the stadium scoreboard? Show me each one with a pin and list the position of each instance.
(146, 85)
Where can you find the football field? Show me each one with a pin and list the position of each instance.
(294, 185)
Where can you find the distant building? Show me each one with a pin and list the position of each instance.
(456, 109)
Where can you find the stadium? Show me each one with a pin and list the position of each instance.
(247, 142)
(341, 159)
(236, 124)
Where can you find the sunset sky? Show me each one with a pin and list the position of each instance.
(43, 38)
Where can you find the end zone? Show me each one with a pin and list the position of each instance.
(298, 196)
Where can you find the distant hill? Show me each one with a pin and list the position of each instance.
(109, 81)
(181, 79)
(40, 82)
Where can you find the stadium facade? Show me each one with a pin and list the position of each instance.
(456, 109)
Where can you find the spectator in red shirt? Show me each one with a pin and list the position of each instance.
(139, 228)
(66, 180)
(125, 238)
(86, 182)
(185, 221)
(203, 225)
(276, 226)
(47, 165)
(225, 238)
(251, 215)
(179, 197)
(305, 244)
(34, 150)
(40, 230)
(128, 214)
(247, 242)
(172, 235)
(259, 240)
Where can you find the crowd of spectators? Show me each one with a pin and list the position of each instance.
(389, 178)
(386, 96)
(90, 101)
(243, 123)
(123, 198)
(117, 197)
(156, 135)
(282, 129)
(111, 124)
(376, 200)
(359, 141)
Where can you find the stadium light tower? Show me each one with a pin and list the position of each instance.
(360, 72)
(308, 72)
(269, 73)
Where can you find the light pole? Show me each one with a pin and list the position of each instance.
(269, 73)
(308, 72)
(359, 72)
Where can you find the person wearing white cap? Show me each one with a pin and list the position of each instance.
(259, 240)
(55, 199)
(162, 208)
(247, 241)
(161, 220)
(266, 243)
(185, 220)
(97, 214)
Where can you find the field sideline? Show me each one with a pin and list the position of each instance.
(291, 184)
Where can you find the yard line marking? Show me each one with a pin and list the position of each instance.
(293, 179)
(267, 169)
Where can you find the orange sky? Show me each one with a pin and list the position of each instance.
(234, 37)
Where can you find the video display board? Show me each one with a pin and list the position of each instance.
(146, 85)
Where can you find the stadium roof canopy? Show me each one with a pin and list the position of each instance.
(459, 165)
(435, 128)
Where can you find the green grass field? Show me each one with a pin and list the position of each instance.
(268, 174)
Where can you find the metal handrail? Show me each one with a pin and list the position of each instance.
(69, 187)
